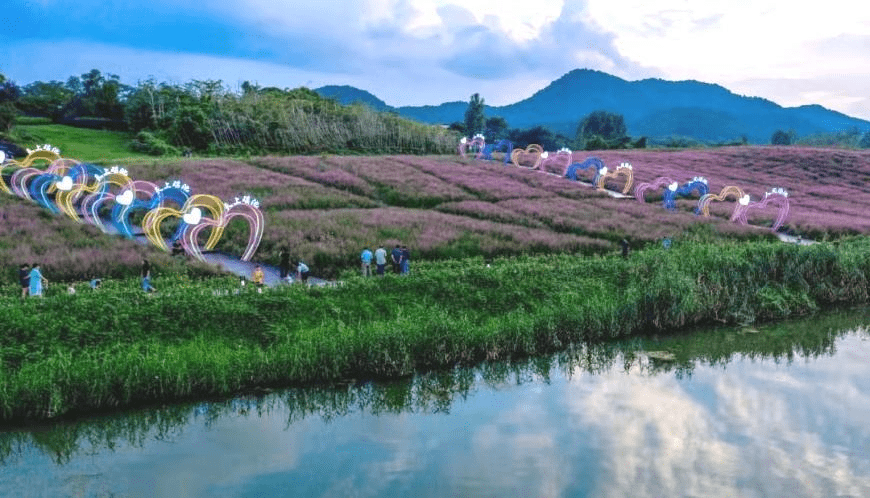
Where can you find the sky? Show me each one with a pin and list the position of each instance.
(419, 52)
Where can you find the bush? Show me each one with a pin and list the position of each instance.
(780, 137)
(148, 143)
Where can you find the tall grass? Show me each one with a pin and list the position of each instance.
(260, 123)
(119, 347)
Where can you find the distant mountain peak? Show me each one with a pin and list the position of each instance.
(652, 107)
(347, 95)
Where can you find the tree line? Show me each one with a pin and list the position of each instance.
(205, 116)
(595, 131)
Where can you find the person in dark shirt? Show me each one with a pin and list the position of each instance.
(24, 279)
(396, 259)
(284, 265)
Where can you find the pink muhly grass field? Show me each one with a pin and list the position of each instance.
(327, 208)
(827, 188)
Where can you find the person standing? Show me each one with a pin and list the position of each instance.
(24, 279)
(406, 260)
(366, 258)
(36, 280)
(625, 248)
(302, 272)
(258, 277)
(145, 274)
(380, 260)
(396, 258)
(284, 265)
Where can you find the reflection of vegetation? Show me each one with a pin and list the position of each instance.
(435, 392)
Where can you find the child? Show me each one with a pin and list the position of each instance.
(259, 278)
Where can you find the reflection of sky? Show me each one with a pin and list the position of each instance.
(750, 428)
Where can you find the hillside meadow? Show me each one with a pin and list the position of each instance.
(325, 208)
(506, 262)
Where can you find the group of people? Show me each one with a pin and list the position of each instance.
(302, 270)
(258, 276)
(399, 257)
(32, 281)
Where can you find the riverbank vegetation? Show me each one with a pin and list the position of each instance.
(438, 391)
(118, 347)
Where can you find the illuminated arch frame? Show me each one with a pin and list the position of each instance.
(531, 149)
(729, 191)
(777, 196)
(478, 141)
(624, 170)
(589, 163)
(697, 183)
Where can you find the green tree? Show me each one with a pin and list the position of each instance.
(9, 94)
(496, 127)
(864, 143)
(602, 127)
(475, 121)
(781, 137)
(46, 99)
(537, 135)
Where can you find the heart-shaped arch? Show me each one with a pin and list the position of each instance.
(533, 151)
(729, 191)
(592, 162)
(559, 160)
(776, 199)
(85, 180)
(91, 204)
(504, 146)
(205, 203)
(685, 190)
(478, 141)
(620, 171)
(642, 188)
(143, 198)
(250, 213)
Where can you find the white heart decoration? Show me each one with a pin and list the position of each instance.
(2, 157)
(125, 199)
(464, 140)
(193, 217)
(602, 171)
(65, 184)
(544, 155)
(744, 200)
(673, 187)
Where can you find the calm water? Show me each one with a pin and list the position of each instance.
(773, 411)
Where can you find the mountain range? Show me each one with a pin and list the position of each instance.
(654, 108)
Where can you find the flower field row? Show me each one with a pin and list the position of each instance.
(325, 209)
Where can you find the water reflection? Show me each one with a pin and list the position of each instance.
(768, 412)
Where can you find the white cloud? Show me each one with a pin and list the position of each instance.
(736, 42)
(753, 429)
(415, 52)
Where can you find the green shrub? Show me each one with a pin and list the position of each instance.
(148, 143)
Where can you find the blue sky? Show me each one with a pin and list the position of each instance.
(414, 52)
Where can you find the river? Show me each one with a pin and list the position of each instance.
(778, 410)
